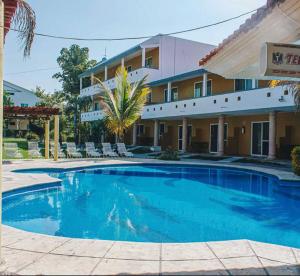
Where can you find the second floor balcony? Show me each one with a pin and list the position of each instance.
(91, 116)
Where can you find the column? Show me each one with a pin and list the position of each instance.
(47, 130)
(80, 83)
(56, 136)
(204, 85)
(184, 134)
(105, 73)
(92, 79)
(134, 129)
(169, 97)
(272, 135)
(221, 136)
(156, 133)
(122, 62)
(143, 57)
(253, 83)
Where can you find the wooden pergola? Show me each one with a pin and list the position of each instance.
(38, 112)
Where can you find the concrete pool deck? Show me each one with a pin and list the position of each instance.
(27, 253)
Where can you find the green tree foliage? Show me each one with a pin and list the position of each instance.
(7, 100)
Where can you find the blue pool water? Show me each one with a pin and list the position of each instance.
(153, 203)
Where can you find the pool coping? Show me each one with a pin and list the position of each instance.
(31, 253)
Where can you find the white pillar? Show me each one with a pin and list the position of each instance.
(184, 134)
(80, 83)
(92, 79)
(272, 135)
(134, 129)
(105, 73)
(221, 136)
(169, 98)
(204, 85)
(156, 133)
(143, 57)
(56, 136)
(122, 62)
(253, 83)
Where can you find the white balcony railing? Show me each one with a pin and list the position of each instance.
(91, 116)
(235, 102)
(153, 74)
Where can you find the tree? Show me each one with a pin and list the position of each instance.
(7, 100)
(123, 106)
(73, 61)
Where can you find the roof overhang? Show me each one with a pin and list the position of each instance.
(239, 55)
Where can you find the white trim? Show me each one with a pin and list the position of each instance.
(251, 138)
(201, 82)
(212, 124)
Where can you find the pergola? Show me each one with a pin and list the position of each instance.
(38, 112)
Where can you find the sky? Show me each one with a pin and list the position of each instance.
(113, 18)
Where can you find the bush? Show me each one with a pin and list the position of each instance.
(296, 160)
(169, 154)
(30, 136)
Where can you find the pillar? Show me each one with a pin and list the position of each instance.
(156, 133)
(221, 136)
(47, 130)
(134, 130)
(169, 97)
(56, 136)
(92, 79)
(143, 57)
(105, 73)
(204, 85)
(253, 83)
(272, 135)
(80, 83)
(184, 134)
(1, 108)
(122, 62)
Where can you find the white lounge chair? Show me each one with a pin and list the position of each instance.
(123, 151)
(12, 150)
(107, 150)
(61, 153)
(34, 150)
(91, 151)
(72, 151)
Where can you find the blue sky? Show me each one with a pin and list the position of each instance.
(113, 18)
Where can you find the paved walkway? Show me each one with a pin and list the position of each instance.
(27, 253)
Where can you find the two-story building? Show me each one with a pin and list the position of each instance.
(191, 109)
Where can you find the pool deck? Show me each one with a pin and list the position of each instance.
(27, 253)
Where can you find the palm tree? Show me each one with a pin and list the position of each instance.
(124, 105)
(20, 14)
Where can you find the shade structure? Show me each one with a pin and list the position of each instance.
(10, 7)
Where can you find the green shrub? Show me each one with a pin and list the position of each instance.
(296, 160)
(169, 154)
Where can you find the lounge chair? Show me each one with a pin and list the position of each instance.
(60, 152)
(12, 151)
(72, 151)
(107, 150)
(34, 150)
(91, 151)
(123, 151)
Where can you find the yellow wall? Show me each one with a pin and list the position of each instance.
(154, 53)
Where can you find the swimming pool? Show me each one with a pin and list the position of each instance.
(159, 203)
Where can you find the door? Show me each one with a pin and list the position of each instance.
(260, 138)
(214, 129)
(189, 136)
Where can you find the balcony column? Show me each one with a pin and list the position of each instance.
(169, 98)
(204, 85)
(134, 130)
(272, 135)
(143, 57)
(92, 78)
(253, 83)
(80, 83)
(221, 136)
(105, 73)
(184, 134)
(122, 62)
(156, 133)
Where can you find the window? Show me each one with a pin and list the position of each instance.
(140, 130)
(24, 105)
(198, 89)
(162, 129)
(174, 94)
(149, 62)
(243, 84)
(149, 98)
(129, 68)
(96, 106)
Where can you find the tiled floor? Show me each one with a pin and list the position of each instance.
(27, 253)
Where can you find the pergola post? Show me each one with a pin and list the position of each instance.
(47, 130)
(56, 136)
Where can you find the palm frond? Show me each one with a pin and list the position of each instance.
(24, 21)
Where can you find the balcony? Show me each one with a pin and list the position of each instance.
(91, 116)
(244, 102)
(153, 74)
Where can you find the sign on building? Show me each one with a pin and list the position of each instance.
(280, 60)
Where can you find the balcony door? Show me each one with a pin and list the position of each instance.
(214, 130)
(180, 135)
(260, 138)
